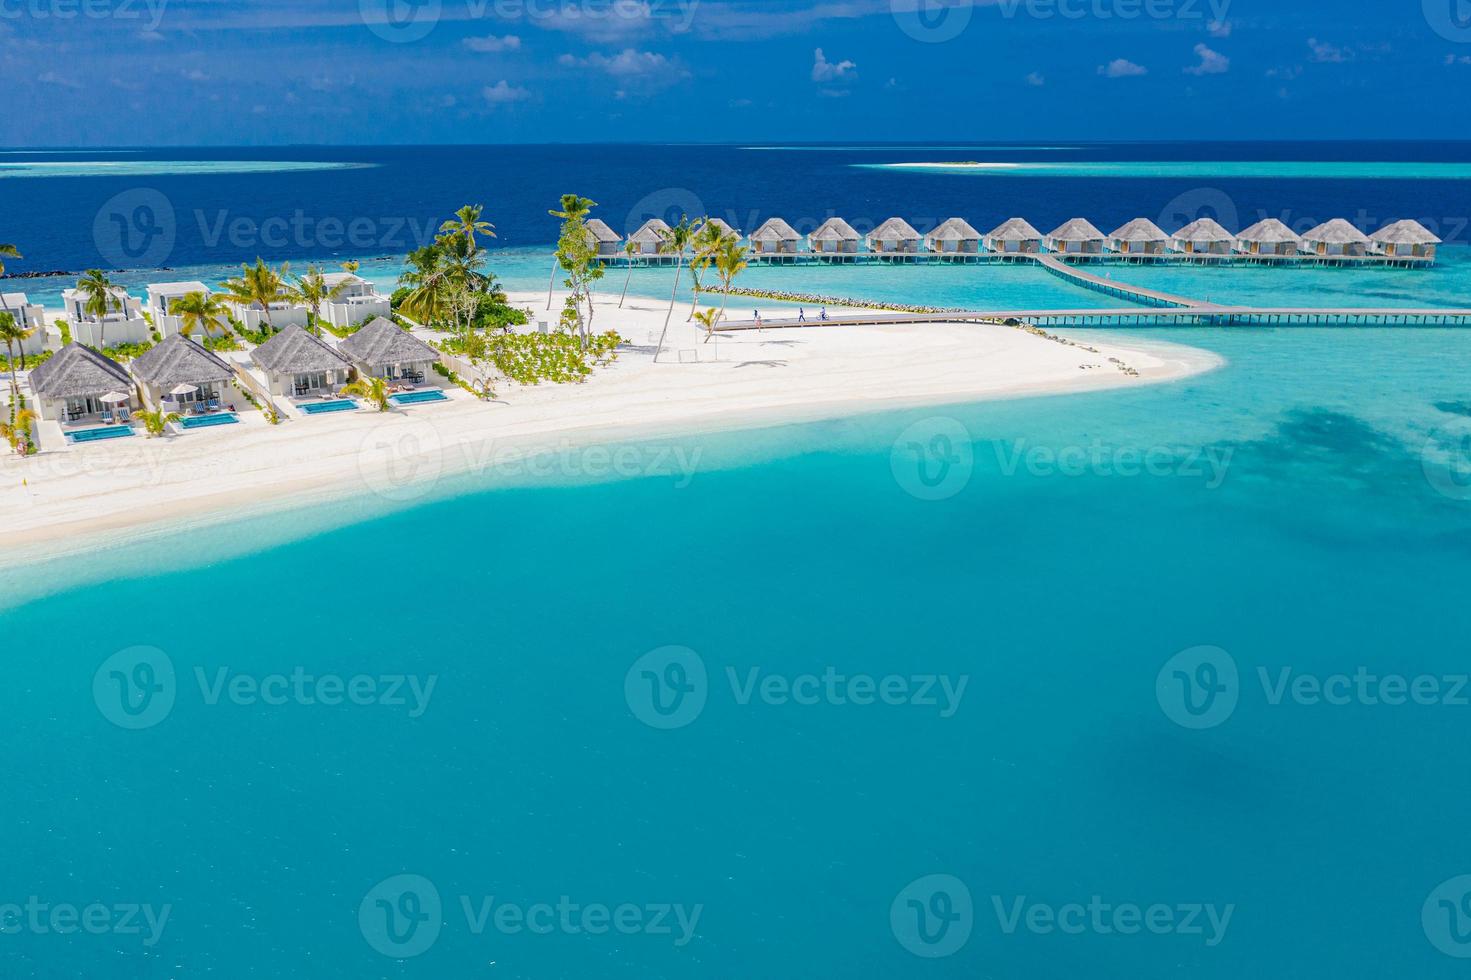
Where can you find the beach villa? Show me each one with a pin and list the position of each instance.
(1076, 237)
(1336, 237)
(179, 375)
(775, 237)
(1404, 239)
(603, 239)
(1139, 237)
(895, 237)
(121, 325)
(383, 349)
(650, 237)
(1205, 236)
(956, 236)
(161, 296)
(835, 237)
(298, 365)
(356, 300)
(284, 313)
(1014, 236)
(28, 316)
(1268, 237)
(79, 386)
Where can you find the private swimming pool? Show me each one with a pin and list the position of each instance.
(323, 408)
(419, 397)
(99, 434)
(207, 421)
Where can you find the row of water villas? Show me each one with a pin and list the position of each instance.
(1204, 240)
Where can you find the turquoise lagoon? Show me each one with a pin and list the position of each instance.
(1217, 169)
(1307, 508)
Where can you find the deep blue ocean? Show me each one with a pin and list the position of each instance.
(1159, 683)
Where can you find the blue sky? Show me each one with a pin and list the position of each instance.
(200, 72)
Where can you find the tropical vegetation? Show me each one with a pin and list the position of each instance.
(201, 311)
(373, 390)
(11, 334)
(259, 285)
(311, 291)
(154, 423)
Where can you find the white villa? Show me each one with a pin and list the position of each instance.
(1404, 239)
(775, 237)
(252, 316)
(1205, 236)
(1268, 237)
(1139, 237)
(955, 235)
(80, 386)
(160, 297)
(357, 300)
(124, 325)
(894, 237)
(28, 316)
(298, 365)
(1076, 237)
(1016, 235)
(1336, 237)
(383, 349)
(650, 236)
(835, 237)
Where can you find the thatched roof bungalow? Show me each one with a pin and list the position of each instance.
(1336, 237)
(954, 235)
(835, 237)
(1139, 237)
(1076, 237)
(1268, 237)
(650, 236)
(775, 237)
(179, 362)
(895, 237)
(1016, 235)
(604, 240)
(1404, 239)
(723, 225)
(383, 349)
(296, 364)
(1204, 236)
(71, 385)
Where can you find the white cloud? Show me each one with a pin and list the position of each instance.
(1036, 79)
(830, 71)
(52, 78)
(193, 75)
(1219, 28)
(504, 93)
(1211, 62)
(1326, 53)
(1122, 68)
(628, 63)
(490, 44)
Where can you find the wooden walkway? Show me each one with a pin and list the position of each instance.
(1087, 280)
(1193, 316)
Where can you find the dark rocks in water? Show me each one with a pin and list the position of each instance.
(37, 275)
(1455, 408)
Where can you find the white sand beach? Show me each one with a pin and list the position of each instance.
(60, 500)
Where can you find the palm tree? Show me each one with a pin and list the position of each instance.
(351, 265)
(706, 245)
(17, 430)
(573, 206)
(12, 333)
(154, 422)
(375, 390)
(709, 320)
(467, 222)
(259, 284)
(630, 249)
(675, 241)
(6, 252)
(200, 311)
(729, 263)
(311, 291)
(102, 299)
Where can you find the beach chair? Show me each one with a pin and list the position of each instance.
(107, 418)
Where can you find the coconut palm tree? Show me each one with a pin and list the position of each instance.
(467, 222)
(6, 252)
(200, 311)
(155, 422)
(351, 265)
(709, 320)
(259, 284)
(101, 299)
(676, 242)
(630, 249)
(729, 263)
(311, 291)
(573, 206)
(16, 430)
(12, 333)
(374, 390)
(706, 245)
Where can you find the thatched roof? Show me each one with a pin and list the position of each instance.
(1336, 232)
(1140, 230)
(1016, 230)
(76, 371)
(954, 230)
(600, 233)
(775, 230)
(1405, 233)
(294, 351)
(1269, 231)
(382, 341)
(894, 230)
(724, 226)
(179, 361)
(835, 230)
(652, 232)
(1077, 230)
(1204, 230)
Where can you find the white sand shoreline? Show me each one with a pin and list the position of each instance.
(129, 489)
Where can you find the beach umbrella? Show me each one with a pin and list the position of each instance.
(183, 389)
(114, 397)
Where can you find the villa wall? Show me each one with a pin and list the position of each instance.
(93, 334)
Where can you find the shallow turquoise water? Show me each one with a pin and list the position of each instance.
(1309, 508)
(1254, 169)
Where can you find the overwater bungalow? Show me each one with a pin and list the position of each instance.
(383, 349)
(835, 237)
(1076, 237)
(1139, 237)
(604, 239)
(80, 386)
(1204, 236)
(1268, 237)
(650, 236)
(895, 237)
(1014, 236)
(123, 324)
(775, 237)
(356, 300)
(298, 365)
(1336, 237)
(179, 375)
(28, 316)
(724, 226)
(162, 296)
(1404, 239)
(954, 235)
